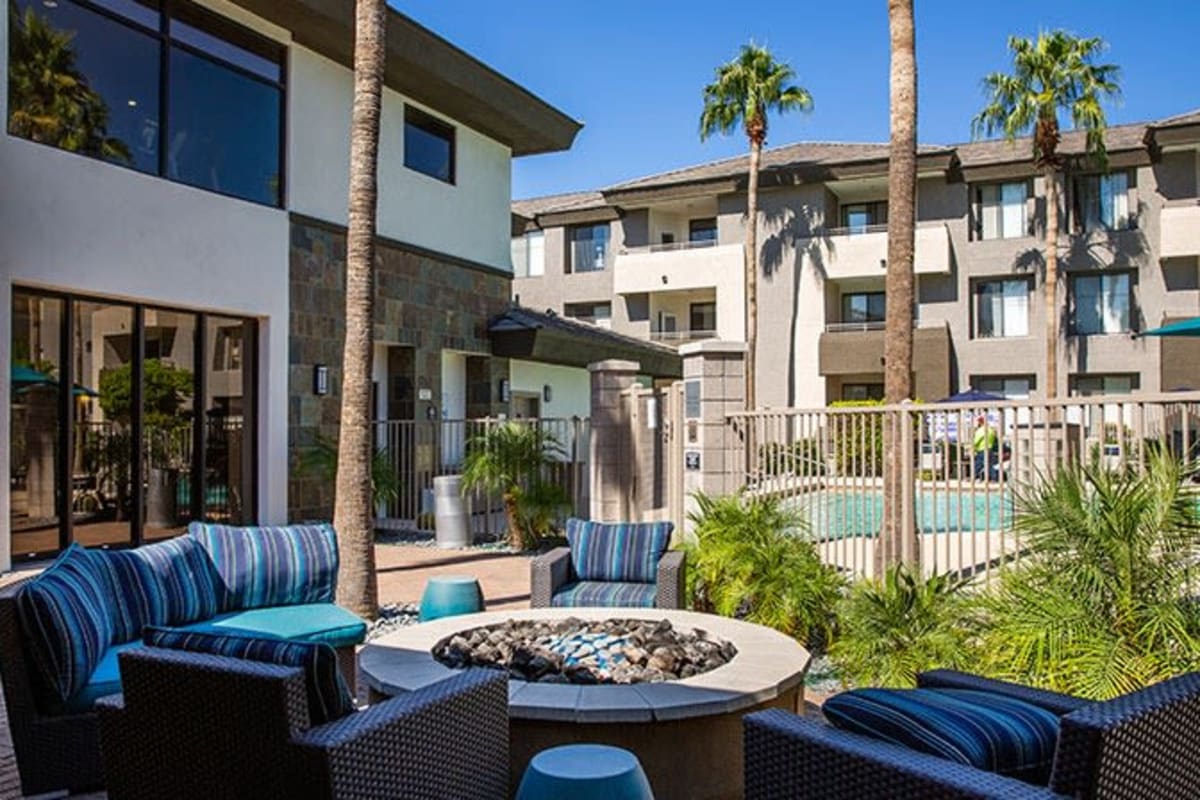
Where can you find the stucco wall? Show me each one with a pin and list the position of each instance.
(570, 387)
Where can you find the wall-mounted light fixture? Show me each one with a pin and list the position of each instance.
(547, 393)
(320, 380)
(505, 390)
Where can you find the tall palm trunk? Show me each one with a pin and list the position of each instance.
(898, 541)
(751, 262)
(1051, 176)
(353, 516)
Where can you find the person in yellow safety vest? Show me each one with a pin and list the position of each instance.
(985, 445)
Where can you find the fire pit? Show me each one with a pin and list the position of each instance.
(685, 730)
(587, 652)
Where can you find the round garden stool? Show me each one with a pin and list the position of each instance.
(585, 772)
(450, 595)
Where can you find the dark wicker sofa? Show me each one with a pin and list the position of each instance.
(165, 737)
(1140, 745)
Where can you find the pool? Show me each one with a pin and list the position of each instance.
(841, 513)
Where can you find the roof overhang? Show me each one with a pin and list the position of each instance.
(1175, 135)
(644, 195)
(432, 71)
(518, 334)
(578, 217)
(1024, 168)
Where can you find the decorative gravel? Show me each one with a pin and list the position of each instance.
(498, 542)
(391, 618)
(822, 677)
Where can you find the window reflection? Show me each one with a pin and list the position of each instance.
(168, 417)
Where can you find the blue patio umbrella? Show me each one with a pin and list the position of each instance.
(972, 396)
(22, 375)
(946, 425)
(1186, 327)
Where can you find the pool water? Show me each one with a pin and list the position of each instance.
(837, 514)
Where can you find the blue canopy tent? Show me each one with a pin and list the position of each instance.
(945, 426)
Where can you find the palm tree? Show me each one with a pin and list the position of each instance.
(744, 92)
(353, 516)
(1103, 601)
(898, 334)
(49, 99)
(1054, 75)
(510, 459)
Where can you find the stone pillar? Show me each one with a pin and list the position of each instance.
(714, 384)
(610, 450)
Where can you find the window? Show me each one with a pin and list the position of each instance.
(1101, 303)
(1117, 383)
(222, 127)
(529, 255)
(862, 391)
(864, 307)
(702, 230)
(428, 145)
(857, 217)
(589, 248)
(702, 317)
(1000, 210)
(1102, 202)
(599, 314)
(1002, 308)
(1010, 387)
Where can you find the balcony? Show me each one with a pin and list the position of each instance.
(856, 348)
(862, 252)
(676, 338)
(713, 271)
(1180, 223)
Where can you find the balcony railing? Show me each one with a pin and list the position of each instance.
(676, 337)
(670, 247)
(844, 327)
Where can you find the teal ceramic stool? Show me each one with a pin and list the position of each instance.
(585, 772)
(450, 595)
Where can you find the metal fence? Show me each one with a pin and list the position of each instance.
(421, 450)
(969, 462)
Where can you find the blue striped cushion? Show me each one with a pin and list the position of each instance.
(328, 697)
(182, 584)
(265, 566)
(617, 551)
(64, 614)
(989, 731)
(607, 594)
(139, 596)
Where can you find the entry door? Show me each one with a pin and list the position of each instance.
(453, 407)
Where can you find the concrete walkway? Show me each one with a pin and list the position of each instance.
(403, 571)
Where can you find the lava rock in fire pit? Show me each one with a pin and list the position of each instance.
(578, 651)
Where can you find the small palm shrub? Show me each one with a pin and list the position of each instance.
(322, 459)
(891, 629)
(1101, 604)
(750, 559)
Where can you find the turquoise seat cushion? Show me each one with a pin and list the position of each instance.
(311, 622)
(328, 697)
(605, 594)
(105, 679)
(271, 566)
(988, 731)
(65, 618)
(617, 551)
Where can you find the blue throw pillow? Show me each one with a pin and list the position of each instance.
(181, 579)
(328, 697)
(64, 614)
(617, 551)
(989, 731)
(271, 566)
(139, 596)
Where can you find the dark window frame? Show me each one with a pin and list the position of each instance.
(217, 26)
(976, 195)
(573, 241)
(692, 307)
(1080, 199)
(845, 308)
(877, 209)
(976, 293)
(437, 127)
(872, 391)
(1135, 381)
(1029, 377)
(1073, 300)
(702, 224)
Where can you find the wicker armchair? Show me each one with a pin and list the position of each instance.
(552, 571)
(196, 725)
(1139, 745)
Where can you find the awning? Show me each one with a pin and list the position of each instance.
(1187, 327)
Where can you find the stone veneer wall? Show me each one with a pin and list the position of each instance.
(423, 300)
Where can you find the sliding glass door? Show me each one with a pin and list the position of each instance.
(128, 422)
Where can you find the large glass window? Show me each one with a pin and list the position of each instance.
(596, 313)
(428, 145)
(589, 248)
(1102, 202)
(87, 77)
(858, 392)
(1102, 303)
(702, 317)
(1001, 210)
(858, 217)
(864, 307)
(1002, 308)
(702, 231)
(1117, 383)
(529, 255)
(157, 429)
(1010, 387)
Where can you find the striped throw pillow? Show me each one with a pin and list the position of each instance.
(64, 614)
(184, 578)
(989, 731)
(328, 697)
(272, 566)
(617, 551)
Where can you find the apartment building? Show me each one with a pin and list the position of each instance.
(172, 249)
(661, 258)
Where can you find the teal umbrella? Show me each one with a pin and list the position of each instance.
(1187, 327)
(23, 376)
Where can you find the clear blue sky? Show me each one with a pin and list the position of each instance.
(632, 70)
